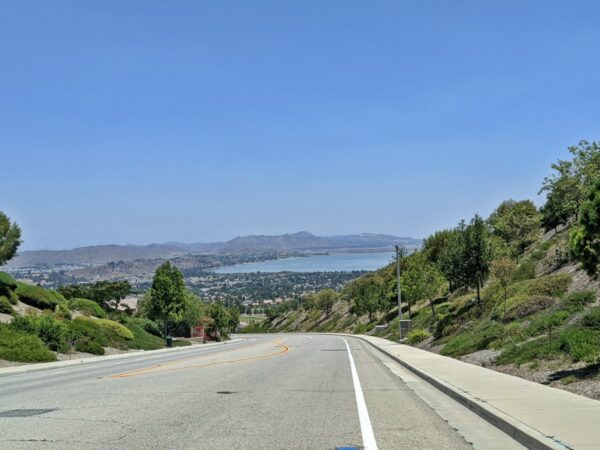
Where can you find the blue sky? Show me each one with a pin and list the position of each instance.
(148, 121)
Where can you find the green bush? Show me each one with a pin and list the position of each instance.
(417, 335)
(142, 339)
(7, 287)
(528, 351)
(576, 301)
(360, 329)
(524, 271)
(523, 306)
(592, 319)
(547, 322)
(26, 324)
(115, 328)
(61, 311)
(18, 346)
(53, 333)
(181, 343)
(83, 328)
(87, 346)
(7, 282)
(148, 325)
(474, 340)
(581, 343)
(550, 286)
(87, 307)
(38, 297)
(5, 306)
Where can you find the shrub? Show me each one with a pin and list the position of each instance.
(148, 325)
(38, 297)
(181, 343)
(61, 311)
(87, 346)
(87, 307)
(360, 329)
(18, 346)
(83, 328)
(524, 271)
(523, 306)
(473, 340)
(551, 285)
(547, 322)
(26, 324)
(142, 339)
(53, 333)
(115, 328)
(581, 343)
(528, 351)
(7, 283)
(417, 335)
(592, 319)
(576, 301)
(5, 306)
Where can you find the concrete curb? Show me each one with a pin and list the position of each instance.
(39, 367)
(522, 433)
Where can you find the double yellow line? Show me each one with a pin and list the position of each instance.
(160, 367)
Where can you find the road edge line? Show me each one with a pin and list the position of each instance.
(520, 432)
(366, 429)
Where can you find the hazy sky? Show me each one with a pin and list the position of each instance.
(147, 121)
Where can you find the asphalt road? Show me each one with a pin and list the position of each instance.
(267, 392)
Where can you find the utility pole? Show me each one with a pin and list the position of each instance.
(399, 291)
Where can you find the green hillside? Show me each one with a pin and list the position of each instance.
(516, 291)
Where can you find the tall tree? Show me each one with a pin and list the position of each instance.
(585, 238)
(326, 299)
(517, 222)
(10, 238)
(451, 258)
(167, 301)
(477, 254)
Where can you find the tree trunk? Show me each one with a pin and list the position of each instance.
(479, 295)
(432, 310)
(505, 300)
(409, 312)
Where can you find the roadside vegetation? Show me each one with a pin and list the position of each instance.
(38, 324)
(515, 290)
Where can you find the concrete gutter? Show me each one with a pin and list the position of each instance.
(38, 367)
(539, 417)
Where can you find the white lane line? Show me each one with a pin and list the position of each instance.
(368, 437)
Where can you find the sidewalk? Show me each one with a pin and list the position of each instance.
(537, 416)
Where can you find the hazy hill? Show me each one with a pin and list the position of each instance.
(301, 241)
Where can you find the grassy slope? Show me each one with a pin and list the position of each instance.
(38, 337)
(550, 331)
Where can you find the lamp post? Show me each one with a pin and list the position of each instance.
(399, 292)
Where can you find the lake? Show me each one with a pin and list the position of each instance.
(333, 262)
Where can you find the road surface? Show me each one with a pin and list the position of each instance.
(266, 392)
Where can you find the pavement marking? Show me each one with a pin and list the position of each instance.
(157, 368)
(366, 429)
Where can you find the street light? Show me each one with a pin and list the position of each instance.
(403, 325)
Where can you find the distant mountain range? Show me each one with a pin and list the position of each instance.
(299, 242)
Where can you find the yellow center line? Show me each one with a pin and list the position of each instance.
(157, 368)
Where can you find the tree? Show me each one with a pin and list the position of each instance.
(422, 280)
(167, 296)
(585, 238)
(326, 299)
(107, 294)
(368, 294)
(435, 245)
(451, 258)
(517, 223)
(477, 254)
(570, 185)
(10, 238)
(503, 269)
